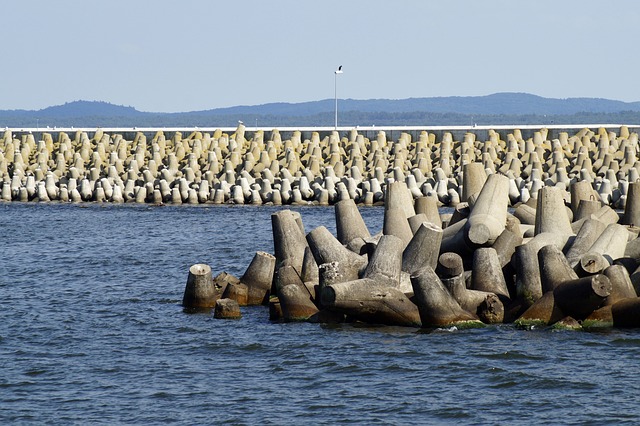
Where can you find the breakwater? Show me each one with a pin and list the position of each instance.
(547, 265)
(308, 166)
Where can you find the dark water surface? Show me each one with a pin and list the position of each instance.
(92, 331)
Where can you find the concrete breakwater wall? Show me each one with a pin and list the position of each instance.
(564, 259)
(300, 167)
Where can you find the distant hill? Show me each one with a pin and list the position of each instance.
(499, 108)
(89, 109)
(499, 103)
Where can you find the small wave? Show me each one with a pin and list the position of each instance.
(161, 395)
(505, 384)
(634, 342)
(447, 329)
(35, 372)
(511, 355)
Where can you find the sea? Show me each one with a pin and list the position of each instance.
(92, 331)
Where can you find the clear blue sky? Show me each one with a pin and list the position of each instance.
(186, 55)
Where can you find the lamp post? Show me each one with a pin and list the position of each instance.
(335, 92)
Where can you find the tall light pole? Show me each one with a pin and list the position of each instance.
(335, 91)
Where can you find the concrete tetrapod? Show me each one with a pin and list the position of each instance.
(542, 312)
(586, 236)
(579, 298)
(528, 280)
(632, 207)
(385, 264)
(591, 264)
(349, 222)
(621, 286)
(236, 291)
(398, 196)
(371, 301)
(294, 297)
(423, 249)
(429, 207)
(612, 242)
(395, 223)
(551, 214)
(488, 216)
(451, 272)
(436, 305)
(227, 309)
(554, 268)
(288, 239)
(326, 248)
(473, 179)
(626, 313)
(200, 293)
(258, 277)
(487, 273)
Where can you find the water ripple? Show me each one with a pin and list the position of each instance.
(92, 331)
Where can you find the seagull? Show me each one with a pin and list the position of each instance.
(339, 70)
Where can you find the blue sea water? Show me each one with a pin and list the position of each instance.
(92, 332)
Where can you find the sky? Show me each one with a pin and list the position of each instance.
(192, 55)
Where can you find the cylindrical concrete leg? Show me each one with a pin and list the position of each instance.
(525, 214)
(586, 208)
(487, 273)
(491, 310)
(395, 223)
(626, 313)
(423, 249)
(543, 312)
(591, 264)
(473, 179)
(436, 305)
(258, 278)
(450, 265)
(429, 207)
(385, 264)
(580, 190)
(326, 248)
(528, 281)
(349, 222)
(238, 292)
(621, 286)
(398, 196)
(227, 309)
(288, 240)
(505, 246)
(554, 268)
(416, 221)
(586, 236)
(488, 217)
(551, 214)
(632, 208)
(200, 291)
(296, 304)
(612, 242)
(309, 267)
(578, 298)
(369, 301)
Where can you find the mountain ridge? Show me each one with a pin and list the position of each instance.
(521, 108)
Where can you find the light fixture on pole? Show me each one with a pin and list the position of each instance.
(335, 91)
